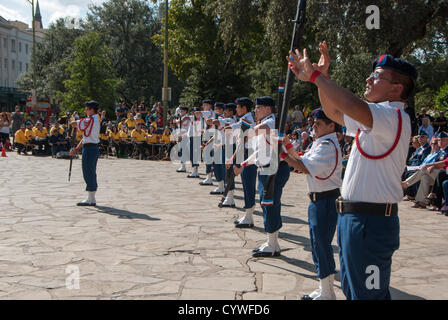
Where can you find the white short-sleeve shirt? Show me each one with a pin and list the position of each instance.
(262, 143)
(377, 181)
(84, 125)
(322, 160)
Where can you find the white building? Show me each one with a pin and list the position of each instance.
(16, 43)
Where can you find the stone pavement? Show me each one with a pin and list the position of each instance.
(158, 235)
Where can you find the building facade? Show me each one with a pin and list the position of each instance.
(16, 44)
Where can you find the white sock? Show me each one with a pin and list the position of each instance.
(91, 196)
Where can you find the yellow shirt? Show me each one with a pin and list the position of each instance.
(114, 136)
(40, 134)
(130, 123)
(29, 134)
(61, 130)
(20, 137)
(166, 138)
(139, 136)
(140, 121)
(103, 136)
(123, 135)
(79, 135)
(120, 125)
(152, 138)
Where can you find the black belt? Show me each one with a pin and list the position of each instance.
(316, 196)
(382, 209)
(90, 145)
(282, 163)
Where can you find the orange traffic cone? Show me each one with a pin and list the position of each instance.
(3, 152)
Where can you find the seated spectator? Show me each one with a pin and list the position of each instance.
(413, 149)
(422, 175)
(440, 123)
(126, 146)
(41, 138)
(139, 141)
(29, 134)
(306, 141)
(152, 139)
(56, 126)
(130, 122)
(104, 139)
(139, 119)
(120, 124)
(296, 142)
(426, 126)
(21, 141)
(57, 143)
(114, 138)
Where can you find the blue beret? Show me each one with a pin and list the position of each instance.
(219, 105)
(28, 123)
(320, 114)
(184, 108)
(92, 104)
(422, 132)
(399, 65)
(196, 109)
(442, 134)
(208, 101)
(265, 101)
(245, 102)
(231, 106)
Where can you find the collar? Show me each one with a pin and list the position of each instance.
(399, 104)
(326, 137)
(271, 116)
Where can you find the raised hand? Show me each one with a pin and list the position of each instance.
(324, 61)
(300, 65)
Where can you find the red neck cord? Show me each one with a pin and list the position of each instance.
(335, 165)
(397, 138)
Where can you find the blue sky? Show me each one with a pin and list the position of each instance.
(50, 10)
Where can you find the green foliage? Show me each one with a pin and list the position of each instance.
(424, 99)
(441, 98)
(91, 75)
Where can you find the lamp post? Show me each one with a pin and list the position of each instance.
(165, 90)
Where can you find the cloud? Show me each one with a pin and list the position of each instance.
(11, 14)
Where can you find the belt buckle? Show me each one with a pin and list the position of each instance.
(314, 196)
(339, 205)
(388, 209)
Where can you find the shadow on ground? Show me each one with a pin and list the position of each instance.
(124, 214)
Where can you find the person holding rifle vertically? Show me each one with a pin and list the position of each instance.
(90, 128)
(322, 164)
(368, 224)
(263, 147)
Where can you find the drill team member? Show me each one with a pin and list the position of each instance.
(207, 113)
(368, 225)
(90, 127)
(249, 173)
(183, 124)
(263, 151)
(322, 164)
(195, 130)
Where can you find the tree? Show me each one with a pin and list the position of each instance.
(127, 27)
(91, 75)
(441, 98)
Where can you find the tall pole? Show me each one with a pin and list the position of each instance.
(165, 69)
(33, 59)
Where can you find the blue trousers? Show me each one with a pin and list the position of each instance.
(249, 179)
(90, 156)
(445, 191)
(220, 168)
(367, 243)
(322, 218)
(271, 215)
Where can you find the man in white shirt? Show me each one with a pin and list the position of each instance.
(368, 225)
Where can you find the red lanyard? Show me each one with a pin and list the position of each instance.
(335, 165)
(88, 129)
(397, 138)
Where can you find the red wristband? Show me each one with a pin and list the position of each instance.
(289, 146)
(283, 155)
(244, 164)
(315, 74)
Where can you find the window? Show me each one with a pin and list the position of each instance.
(26, 48)
(13, 45)
(13, 65)
(5, 43)
(20, 46)
(6, 64)
(20, 66)
(26, 67)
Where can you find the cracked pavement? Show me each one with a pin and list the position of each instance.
(157, 235)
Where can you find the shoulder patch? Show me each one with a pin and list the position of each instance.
(325, 142)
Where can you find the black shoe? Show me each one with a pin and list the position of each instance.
(217, 192)
(86, 204)
(244, 225)
(193, 176)
(306, 297)
(205, 184)
(226, 205)
(259, 254)
(181, 171)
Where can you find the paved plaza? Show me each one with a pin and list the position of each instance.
(157, 235)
